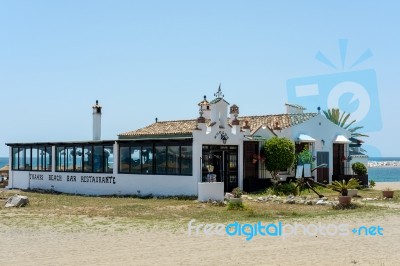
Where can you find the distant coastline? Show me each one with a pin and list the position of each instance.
(383, 162)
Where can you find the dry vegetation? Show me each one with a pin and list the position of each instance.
(71, 212)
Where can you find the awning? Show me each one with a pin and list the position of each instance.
(305, 138)
(341, 139)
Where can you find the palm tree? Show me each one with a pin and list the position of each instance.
(341, 119)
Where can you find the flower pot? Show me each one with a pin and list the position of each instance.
(235, 200)
(344, 200)
(388, 194)
(352, 192)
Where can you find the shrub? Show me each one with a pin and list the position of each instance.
(305, 157)
(283, 189)
(372, 183)
(279, 153)
(359, 168)
(343, 186)
(237, 192)
(235, 206)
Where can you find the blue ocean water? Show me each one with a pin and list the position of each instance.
(384, 174)
(3, 161)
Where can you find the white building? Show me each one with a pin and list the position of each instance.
(176, 157)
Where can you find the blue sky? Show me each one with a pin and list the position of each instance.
(147, 59)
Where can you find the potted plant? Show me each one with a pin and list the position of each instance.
(237, 196)
(343, 187)
(361, 172)
(359, 169)
(305, 157)
(388, 193)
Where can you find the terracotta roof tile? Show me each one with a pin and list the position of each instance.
(186, 127)
(179, 127)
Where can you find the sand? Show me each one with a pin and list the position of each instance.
(140, 246)
(384, 185)
(24, 246)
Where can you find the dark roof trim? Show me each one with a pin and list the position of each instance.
(63, 143)
(156, 137)
(139, 141)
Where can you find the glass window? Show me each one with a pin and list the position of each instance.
(28, 156)
(87, 159)
(15, 158)
(98, 159)
(164, 159)
(69, 159)
(186, 160)
(48, 159)
(41, 163)
(78, 154)
(124, 159)
(136, 164)
(108, 159)
(60, 162)
(35, 158)
(173, 160)
(21, 159)
(161, 159)
(147, 160)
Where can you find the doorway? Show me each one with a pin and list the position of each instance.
(224, 162)
(323, 172)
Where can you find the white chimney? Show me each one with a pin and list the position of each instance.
(96, 121)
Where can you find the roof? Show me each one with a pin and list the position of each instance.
(178, 127)
(216, 100)
(305, 138)
(186, 127)
(204, 101)
(341, 140)
(280, 121)
(295, 106)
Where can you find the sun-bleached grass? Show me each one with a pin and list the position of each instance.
(72, 212)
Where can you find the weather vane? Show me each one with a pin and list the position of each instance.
(219, 94)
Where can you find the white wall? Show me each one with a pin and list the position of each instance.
(319, 128)
(211, 136)
(105, 184)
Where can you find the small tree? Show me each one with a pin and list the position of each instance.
(359, 168)
(279, 153)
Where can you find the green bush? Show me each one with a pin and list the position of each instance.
(235, 206)
(359, 168)
(237, 192)
(372, 183)
(279, 153)
(283, 189)
(342, 186)
(304, 157)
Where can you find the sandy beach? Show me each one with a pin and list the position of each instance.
(29, 246)
(384, 185)
(108, 245)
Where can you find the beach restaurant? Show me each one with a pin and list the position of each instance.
(206, 156)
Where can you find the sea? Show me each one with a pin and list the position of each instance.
(387, 169)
